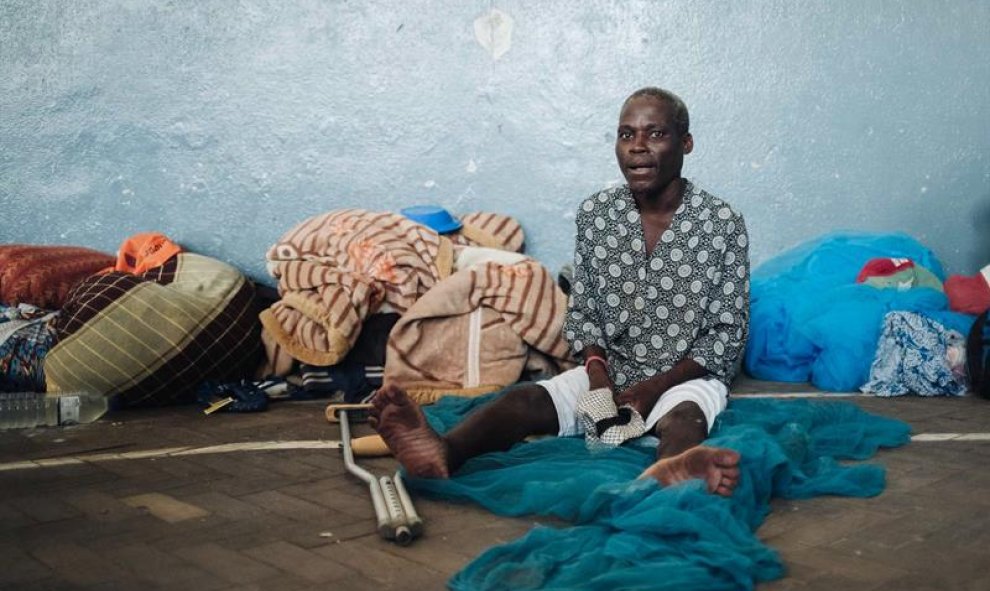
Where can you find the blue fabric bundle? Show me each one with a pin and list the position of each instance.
(913, 357)
(633, 534)
(811, 321)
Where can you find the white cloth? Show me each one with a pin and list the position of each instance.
(567, 389)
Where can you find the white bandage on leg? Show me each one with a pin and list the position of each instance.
(709, 394)
(566, 390)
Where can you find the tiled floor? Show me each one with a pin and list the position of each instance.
(294, 519)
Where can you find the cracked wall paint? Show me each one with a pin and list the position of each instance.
(493, 31)
(223, 124)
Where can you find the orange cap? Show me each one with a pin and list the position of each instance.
(145, 251)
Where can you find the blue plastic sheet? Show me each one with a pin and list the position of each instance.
(633, 534)
(811, 322)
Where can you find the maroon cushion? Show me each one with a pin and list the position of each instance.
(43, 275)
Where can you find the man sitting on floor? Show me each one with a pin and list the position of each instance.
(659, 311)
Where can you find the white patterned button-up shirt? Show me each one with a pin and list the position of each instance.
(688, 299)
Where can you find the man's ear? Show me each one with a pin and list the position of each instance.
(688, 140)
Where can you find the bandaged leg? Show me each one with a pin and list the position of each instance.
(685, 414)
(683, 417)
(566, 390)
(710, 396)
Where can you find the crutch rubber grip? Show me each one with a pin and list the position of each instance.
(370, 446)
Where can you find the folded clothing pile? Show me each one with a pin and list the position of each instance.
(26, 335)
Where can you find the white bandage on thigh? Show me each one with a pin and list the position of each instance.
(566, 390)
(569, 387)
(709, 394)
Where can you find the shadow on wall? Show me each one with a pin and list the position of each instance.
(981, 223)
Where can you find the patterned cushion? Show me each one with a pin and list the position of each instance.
(43, 275)
(151, 339)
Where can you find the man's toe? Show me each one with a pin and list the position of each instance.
(379, 400)
(395, 395)
(724, 490)
(727, 458)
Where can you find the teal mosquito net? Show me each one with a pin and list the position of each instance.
(632, 534)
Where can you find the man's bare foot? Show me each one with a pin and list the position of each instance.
(718, 467)
(403, 426)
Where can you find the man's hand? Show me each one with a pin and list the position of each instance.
(640, 396)
(644, 395)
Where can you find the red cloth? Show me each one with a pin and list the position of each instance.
(969, 294)
(43, 275)
(881, 267)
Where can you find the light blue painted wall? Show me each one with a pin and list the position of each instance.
(224, 123)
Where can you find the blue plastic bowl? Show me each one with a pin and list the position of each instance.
(433, 216)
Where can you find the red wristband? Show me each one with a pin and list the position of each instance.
(598, 358)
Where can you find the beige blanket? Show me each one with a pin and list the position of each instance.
(477, 330)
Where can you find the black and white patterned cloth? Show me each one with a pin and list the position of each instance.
(688, 299)
(604, 423)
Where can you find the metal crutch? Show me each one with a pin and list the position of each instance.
(397, 518)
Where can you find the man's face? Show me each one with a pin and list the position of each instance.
(648, 148)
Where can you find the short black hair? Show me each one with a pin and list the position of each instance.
(682, 121)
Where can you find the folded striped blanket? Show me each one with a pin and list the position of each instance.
(150, 339)
(476, 331)
(335, 269)
(491, 230)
